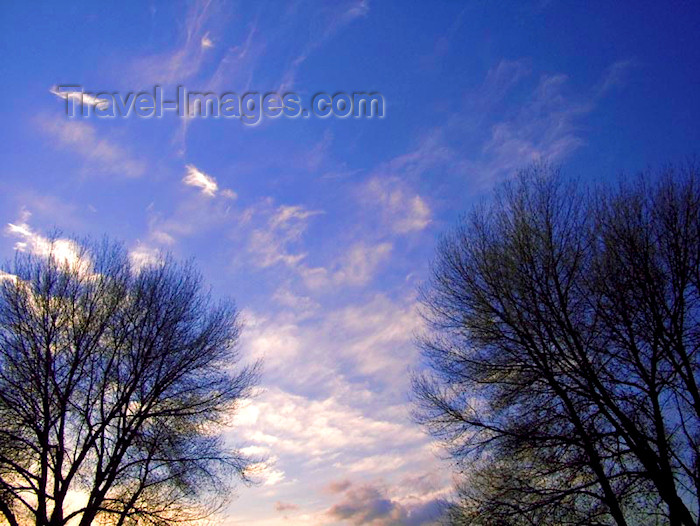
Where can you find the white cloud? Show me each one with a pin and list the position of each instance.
(269, 247)
(189, 217)
(269, 244)
(5, 276)
(543, 129)
(206, 42)
(361, 261)
(299, 306)
(373, 464)
(265, 473)
(188, 57)
(616, 75)
(62, 250)
(525, 120)
(285, 215)
(377, 335)
(403, 210)
(143, 255)
(312, 430)
(197, 178)
(371, 339)
(503, 133)
(80, 97)
(330, 407)
(356, 267)
(335, 19)
(430, 154)
(101, 155)
(276, 343)
(255, 451)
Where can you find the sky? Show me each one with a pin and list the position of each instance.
(323, 229)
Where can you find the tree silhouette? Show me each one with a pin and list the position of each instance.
(114, 386)
(563, 352)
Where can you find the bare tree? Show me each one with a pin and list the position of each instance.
(565, 328)
(114, 386)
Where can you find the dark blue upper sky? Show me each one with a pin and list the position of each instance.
(322, 229)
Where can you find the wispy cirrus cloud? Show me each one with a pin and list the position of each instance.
(187, 218)
(77, 97)
(367, 339)
(355, 267)
(402, 210)
(185, 60)
(239, 61)
(358, 264)
(292, 217)
(334, 17)
(258, 44)
(271, 243)
(546, 127)
(511, 120)
(101, 155)
(206, 41)
(197, 178)
(377, 335)
(617, 75)
(514, 119)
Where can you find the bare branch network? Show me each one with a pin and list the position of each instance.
(563, 353)
(114, 387)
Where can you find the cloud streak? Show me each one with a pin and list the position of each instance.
(270, 244)
(79, 97)
(402, 210)
(188, 57)
(197, 178)
(101, 155)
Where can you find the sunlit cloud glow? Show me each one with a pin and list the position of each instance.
(197, 178)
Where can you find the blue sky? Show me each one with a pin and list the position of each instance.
(322, 229)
